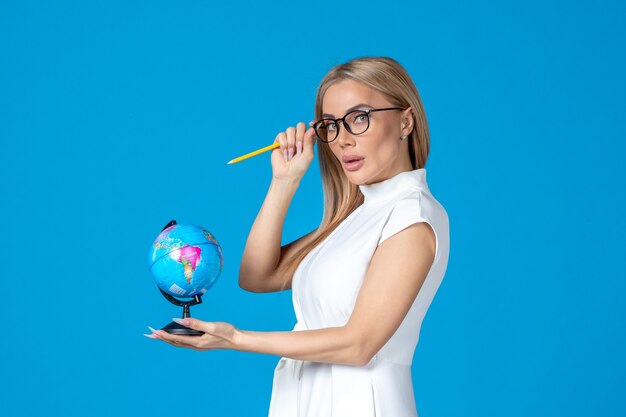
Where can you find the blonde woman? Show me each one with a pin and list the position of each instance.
(363, 280)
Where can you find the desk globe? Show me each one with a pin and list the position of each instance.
(185, 261)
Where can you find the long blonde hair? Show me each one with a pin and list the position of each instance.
(341, 197)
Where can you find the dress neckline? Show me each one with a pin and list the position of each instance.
(394, 186)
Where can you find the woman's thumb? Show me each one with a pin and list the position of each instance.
(190, 323)
(309, 140)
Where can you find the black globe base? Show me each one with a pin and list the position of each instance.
(175, 328)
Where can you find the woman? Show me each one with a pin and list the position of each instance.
(363, 280)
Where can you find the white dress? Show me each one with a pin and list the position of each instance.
(324, 290)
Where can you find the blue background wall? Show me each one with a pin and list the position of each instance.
(117, 116)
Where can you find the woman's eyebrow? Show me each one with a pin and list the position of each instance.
(350, 109)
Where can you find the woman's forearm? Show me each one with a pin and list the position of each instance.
(261, 254)
(330, 345)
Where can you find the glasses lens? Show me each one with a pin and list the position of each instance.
(326, 130)
(358, 122)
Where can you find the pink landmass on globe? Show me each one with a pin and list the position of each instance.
(189, 257)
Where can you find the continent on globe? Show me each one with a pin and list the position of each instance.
(189, 256)
(210, 237)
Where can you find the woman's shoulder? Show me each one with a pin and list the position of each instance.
(419, 200)
(416, 206)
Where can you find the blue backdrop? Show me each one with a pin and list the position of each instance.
(118, 116)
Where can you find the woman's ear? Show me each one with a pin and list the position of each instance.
(407, 121)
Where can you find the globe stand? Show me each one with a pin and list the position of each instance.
(175, 328)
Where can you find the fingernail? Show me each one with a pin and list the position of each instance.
(184, 322)
(151, 329)
(149, 336)
(290, 153)
(299, 147)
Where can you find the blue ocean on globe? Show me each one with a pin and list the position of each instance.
(185, 260)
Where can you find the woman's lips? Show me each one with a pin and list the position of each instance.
(354, 165)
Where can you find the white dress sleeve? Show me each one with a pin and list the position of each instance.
(403, 214)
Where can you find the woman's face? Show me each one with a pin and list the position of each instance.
(382, 153)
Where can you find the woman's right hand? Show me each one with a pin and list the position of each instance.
(291, 160)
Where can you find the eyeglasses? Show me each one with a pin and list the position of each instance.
(355, 122)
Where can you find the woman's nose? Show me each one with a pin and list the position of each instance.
(344, 137)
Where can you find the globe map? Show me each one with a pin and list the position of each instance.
(185, 260)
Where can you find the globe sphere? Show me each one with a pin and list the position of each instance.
(185, 260)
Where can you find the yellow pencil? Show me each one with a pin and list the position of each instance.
(251, 154)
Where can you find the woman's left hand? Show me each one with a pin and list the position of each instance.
(217, 335)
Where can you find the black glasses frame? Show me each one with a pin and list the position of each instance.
(367, 112)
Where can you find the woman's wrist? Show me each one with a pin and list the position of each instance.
(240, 340)
(286, 182)
(284, 188)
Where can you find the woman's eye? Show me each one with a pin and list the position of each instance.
(331, 126)
(361, 118)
